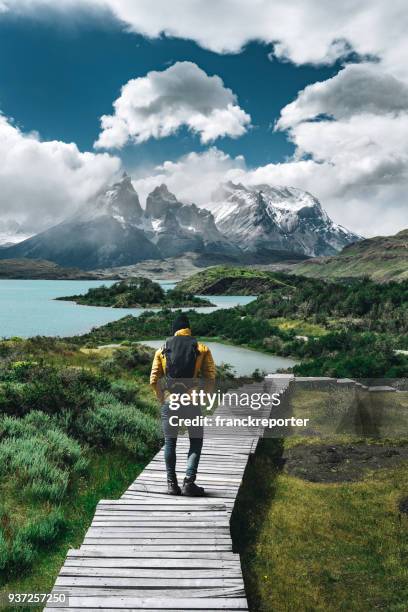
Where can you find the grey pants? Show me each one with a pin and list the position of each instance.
(170, 439)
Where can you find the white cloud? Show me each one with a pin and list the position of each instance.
(193, 177)
(302, 31)
(43, 182)
(357, 162)
(358, 88)
(158, 104)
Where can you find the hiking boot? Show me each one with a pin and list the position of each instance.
(172, 487)
(190, 489)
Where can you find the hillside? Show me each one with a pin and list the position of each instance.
(227, 280)
(43, 269)
(383, 258)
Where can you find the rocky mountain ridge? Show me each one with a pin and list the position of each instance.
(264, 218)
(242, 224)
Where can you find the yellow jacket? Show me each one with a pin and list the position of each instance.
(204, 367)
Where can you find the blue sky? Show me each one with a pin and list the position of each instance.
(63, 78)
(198, 89)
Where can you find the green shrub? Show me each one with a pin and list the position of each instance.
(49, 389)
(133, 357)
(113, 424)
(149, 406)
(43, 532)
(126, 391)
(4, 552)
(19, 552)
(109, 366)
(21, 555)
(41, 457)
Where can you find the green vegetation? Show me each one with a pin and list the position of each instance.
(226, 280)
(137, 292)
(334, 329)
(383, 259)
(324, 546)
(70, 422)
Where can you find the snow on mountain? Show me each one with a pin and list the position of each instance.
(267, 218)
(178, 228)
(114, 230)
(11, 233)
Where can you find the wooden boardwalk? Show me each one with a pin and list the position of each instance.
(151, 551)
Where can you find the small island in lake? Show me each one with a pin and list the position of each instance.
(137, 292)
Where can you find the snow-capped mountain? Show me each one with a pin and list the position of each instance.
(114, 230)
(248, 222)
(11, 232)
(264, 218)
(105, 233)
(177, 228)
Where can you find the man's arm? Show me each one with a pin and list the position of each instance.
(156, 374)
(208, 370)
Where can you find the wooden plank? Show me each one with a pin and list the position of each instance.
(121, 552)
(160, 603)
(153, 548)
(146, 583)
(159, 573)
(169, 593)
(153, 515)
(151, 563)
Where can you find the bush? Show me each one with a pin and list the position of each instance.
(41, 457)
(20, 551)
(52, 391)
(21, 371)
(4, 552)
(134, 357)
(111, 423)
(44, 532)
(126, 391)
(21, 555)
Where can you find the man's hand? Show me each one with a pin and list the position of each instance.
(158, 392)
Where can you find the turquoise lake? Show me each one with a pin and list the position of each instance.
(28, 308)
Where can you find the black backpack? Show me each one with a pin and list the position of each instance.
(181, 354)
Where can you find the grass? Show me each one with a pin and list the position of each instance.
(107, 477)
(378, 269)
(301, 327)
(325, 546)
(321, 547)
(224, 278)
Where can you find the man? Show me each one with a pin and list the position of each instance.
(181, 358)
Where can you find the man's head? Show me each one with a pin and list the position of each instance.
(181, 322)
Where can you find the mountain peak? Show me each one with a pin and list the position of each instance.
(163, 190)
(119, 201)
(277, 217)
(161, 201)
